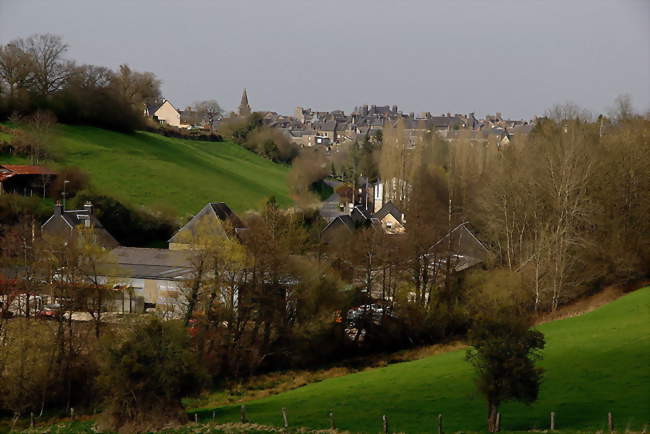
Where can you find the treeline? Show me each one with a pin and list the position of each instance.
(35, 74)
(250, 132)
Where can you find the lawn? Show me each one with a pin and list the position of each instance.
(150, 169)
(595, 363)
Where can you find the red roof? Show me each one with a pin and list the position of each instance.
(16, 169)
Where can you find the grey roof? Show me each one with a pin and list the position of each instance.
(69, 220)
(388, 208)
(162, 264)
(359, 215)
(214, 210)
(342, 221)
(153, 108)
(463, 242)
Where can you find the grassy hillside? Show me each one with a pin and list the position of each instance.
(149, 169)
(595, 363)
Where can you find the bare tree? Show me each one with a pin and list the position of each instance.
(208, 111)
(16, 67)
(50, 68)
(138, 88)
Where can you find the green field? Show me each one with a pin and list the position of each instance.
(595, 363)
(150, 169)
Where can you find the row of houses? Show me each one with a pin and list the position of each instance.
(151, 278)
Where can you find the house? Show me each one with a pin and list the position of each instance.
(462, 247)
(25, 180)
(165, 113)
(390, 218)
(156, 275)
(215, 217)
(69, 223)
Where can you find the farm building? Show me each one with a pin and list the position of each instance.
(25, 180)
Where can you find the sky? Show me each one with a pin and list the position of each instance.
(517, 57)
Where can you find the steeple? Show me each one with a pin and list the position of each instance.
(244, 108)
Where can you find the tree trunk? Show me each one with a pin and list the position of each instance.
(492, 417)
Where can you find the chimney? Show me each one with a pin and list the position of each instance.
(88, 206)
(58, 208)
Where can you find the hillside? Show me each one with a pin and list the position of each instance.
(150, 169)
(594, 363)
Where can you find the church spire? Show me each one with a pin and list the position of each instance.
(244, 108)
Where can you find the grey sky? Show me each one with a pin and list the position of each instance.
(517, 57)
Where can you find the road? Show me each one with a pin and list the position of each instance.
(330, 207)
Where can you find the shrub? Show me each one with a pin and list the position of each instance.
(146, 375)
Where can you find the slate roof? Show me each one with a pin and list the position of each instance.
(388, 208)
(153, 108)
(213, 210)
(359, 215)
(69, 220)
(465, 247)
(342, 221)
(160, 264)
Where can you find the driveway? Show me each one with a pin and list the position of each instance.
(330, 207)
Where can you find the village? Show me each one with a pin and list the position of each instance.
(289, 217)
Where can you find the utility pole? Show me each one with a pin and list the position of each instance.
(64, 184)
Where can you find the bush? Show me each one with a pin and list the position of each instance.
(146, 376)
(130, 227)
(77, 180)
(14, 208)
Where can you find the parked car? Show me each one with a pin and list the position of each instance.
(50, 311)
(373, 311)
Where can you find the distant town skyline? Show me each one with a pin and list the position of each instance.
(518, 58)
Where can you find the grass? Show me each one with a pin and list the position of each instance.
(150, 169)
(594, 364)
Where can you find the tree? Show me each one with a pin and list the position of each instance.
(138, 88)
(50, 69)
(16, 68)
(207, 111)
(147, 374)
(503, 352)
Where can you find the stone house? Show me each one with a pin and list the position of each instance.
(215, 217)
(68, 223)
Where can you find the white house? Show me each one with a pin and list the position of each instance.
(165, 113)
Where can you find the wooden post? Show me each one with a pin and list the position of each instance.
(31, 419)
(552, 421)
(242, 414)
(610, 422)
(440, 424)
(284, 417)
(332, 420)
(385, 421)
(498, 427)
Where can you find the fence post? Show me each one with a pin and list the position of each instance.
(242, 414)
(332, 420)
(284, 417)
(498, 427)
(440, 423)
(610, 421)
(385, 422)
(552, 421)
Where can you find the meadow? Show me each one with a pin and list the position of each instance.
(152, 170)
(595, 363)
